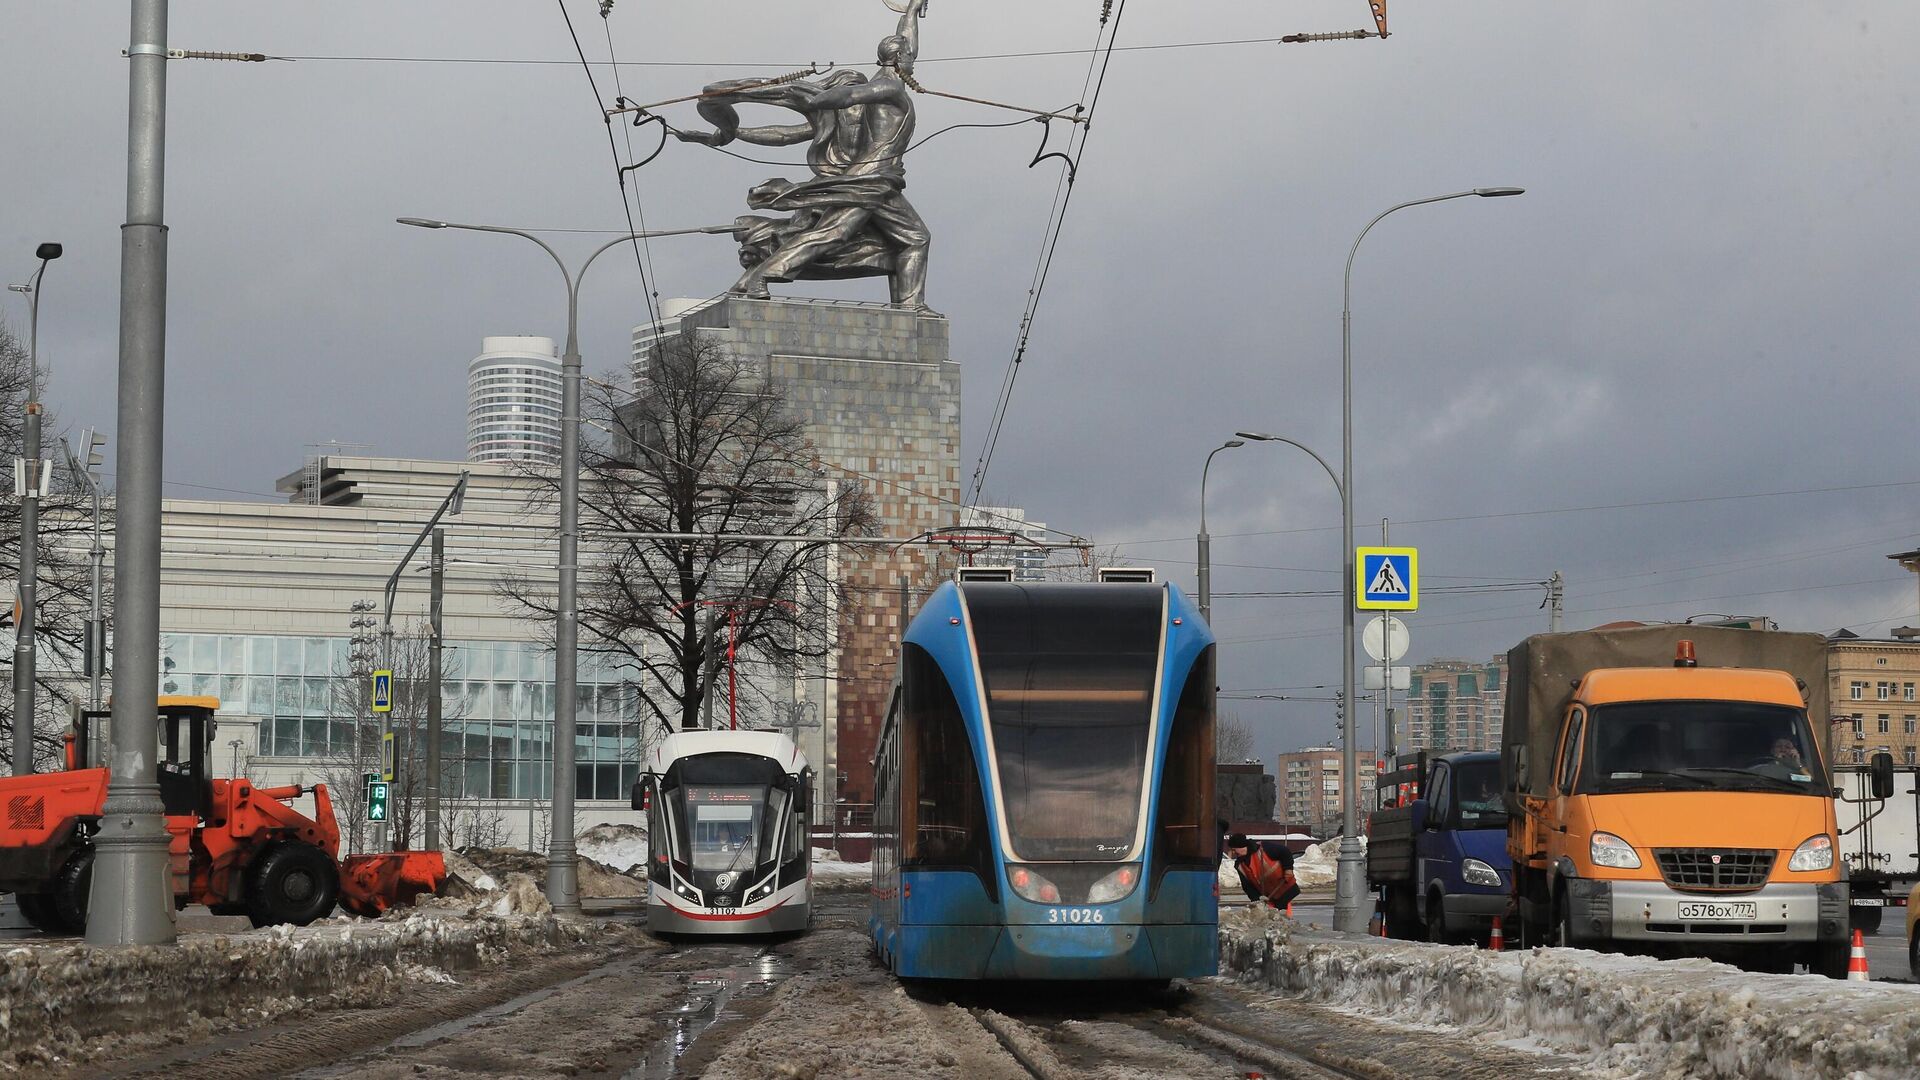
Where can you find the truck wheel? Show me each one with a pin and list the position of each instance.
(292, 883)
(70, 889)
(38, 909)
(1865, 919)
(1563, 923)
(1830, 958)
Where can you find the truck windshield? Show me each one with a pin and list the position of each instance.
(1700, 745)
(1476, 786)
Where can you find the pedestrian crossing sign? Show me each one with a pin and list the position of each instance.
(1386, 579)
(383, 691)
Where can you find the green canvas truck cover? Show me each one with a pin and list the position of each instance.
(1542, 670)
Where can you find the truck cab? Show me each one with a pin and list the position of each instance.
(1440, 858)
(1684, 809)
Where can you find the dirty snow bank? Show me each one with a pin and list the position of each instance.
(597, 880)
(830, 874)
(53, 999)
(1630, 1016)
(618, 847)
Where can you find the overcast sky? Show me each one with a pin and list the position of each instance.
(1679, 370)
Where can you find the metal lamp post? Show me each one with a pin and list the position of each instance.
(84, 465)
(1205, 574)
(33, 477)
(449, 505)
(1350, 879)
(563, 880)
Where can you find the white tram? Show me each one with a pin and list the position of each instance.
(727, 833)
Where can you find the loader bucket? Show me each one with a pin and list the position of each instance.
(372, 885)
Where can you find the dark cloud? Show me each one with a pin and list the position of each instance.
(1706, 291)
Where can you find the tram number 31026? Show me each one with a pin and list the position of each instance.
(1076, 915)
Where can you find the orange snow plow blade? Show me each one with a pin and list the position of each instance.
(371, 885)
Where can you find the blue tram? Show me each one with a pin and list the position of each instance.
(1044, 787)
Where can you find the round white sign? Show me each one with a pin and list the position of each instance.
(1384, 634)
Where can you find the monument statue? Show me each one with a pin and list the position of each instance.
(851, 218)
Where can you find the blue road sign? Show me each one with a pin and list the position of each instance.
(1386, 579)
(383, 691)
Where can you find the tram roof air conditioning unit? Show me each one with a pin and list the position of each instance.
(1136, 574)
(983, 573)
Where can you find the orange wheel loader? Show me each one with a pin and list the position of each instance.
(235, 847)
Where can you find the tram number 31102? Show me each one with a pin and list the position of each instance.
(1076, 915)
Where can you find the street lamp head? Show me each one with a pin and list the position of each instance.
(1497, 192)
(47, 252)
(421, 223)
(1257, 437)
(1232, 444)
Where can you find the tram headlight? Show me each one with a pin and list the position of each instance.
(1032, 886)
(762, 892)
(1115, 886)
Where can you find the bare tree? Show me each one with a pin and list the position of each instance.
(705, 447)
(1232, 739)
(63, 580)
(345, 767)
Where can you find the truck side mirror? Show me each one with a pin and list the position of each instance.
(1882, 776)
(640, 800)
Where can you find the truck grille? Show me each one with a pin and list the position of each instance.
(1715, 869)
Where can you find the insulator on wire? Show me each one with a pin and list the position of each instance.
(1344, 35)
(198, 54)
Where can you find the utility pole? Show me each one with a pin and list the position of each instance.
(84, 465)
(1556, 597)
(131, 902)
(32, 477)
(437, 572)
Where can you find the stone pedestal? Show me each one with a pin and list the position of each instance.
(880, 400)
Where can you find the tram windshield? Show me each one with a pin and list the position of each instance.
(1069, 676)
(726, 810)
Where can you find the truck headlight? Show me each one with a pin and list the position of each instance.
(1475, 872)
(1607, 849)
(1115, 886)
(1816, 853)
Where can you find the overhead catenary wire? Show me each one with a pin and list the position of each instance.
(1056, 223)
(646, 285)
(650, 277)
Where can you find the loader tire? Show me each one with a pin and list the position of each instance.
(38, 909)
(70, 890)
(292, 883)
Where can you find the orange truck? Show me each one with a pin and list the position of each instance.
(1669, 791)
(235, 847)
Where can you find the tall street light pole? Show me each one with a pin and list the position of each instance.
(31, 472)
(563, 869)
(1350, 874)
(1206, 542)
(132, 898)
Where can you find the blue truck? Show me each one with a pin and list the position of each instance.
(1437, 847)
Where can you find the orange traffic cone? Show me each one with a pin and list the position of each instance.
(1857, 960)
(1496, 942)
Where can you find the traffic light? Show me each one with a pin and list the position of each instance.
(377, 800)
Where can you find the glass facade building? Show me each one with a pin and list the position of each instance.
(497, 740)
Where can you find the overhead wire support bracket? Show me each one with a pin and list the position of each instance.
(1379, 9)
(202, 54)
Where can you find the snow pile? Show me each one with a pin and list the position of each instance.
(1317, 865)
(1313, 868)
(1629, 1016)
(617, 847)
(62, 1004)
(597, 880)
(830, 874)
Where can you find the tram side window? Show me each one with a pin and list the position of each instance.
(944, 816)
(1186, 826)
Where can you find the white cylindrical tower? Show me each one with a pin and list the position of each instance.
(513, 400)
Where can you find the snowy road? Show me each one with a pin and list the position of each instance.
(811, 1007)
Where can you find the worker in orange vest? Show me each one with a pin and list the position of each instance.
(1265, 868)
